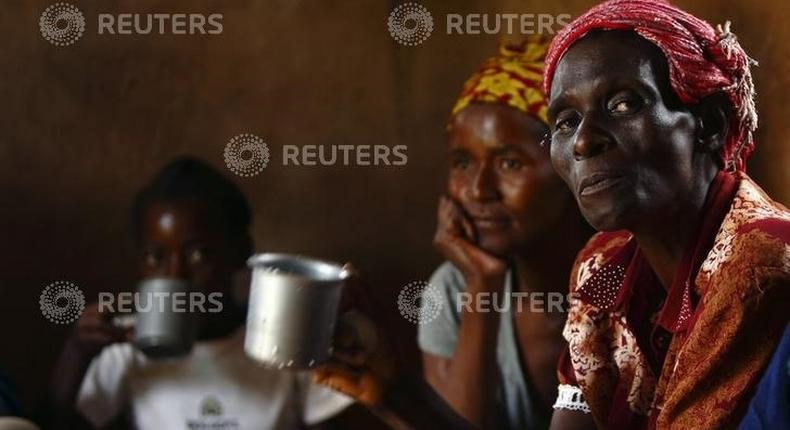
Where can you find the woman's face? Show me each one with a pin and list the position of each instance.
(178, 241)
(502, 177)
(620, 139)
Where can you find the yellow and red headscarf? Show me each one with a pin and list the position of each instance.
(514, 78)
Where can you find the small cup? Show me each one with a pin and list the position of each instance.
(160, 330)
(292, 310)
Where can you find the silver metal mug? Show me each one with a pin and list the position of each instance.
(292, 310)
(160, 330)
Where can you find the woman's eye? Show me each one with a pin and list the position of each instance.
(510, 163)
(621, 107)
(566, 125)
(197, 256)
(459, 162)
(151, 258)
(624, 106)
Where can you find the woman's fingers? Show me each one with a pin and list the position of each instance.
(448, 222)
(449, 231)
(461, 221)
(453, 224)
(455, 239)
(364, 386)
(361, 362)
(338, 377)
(469, 229)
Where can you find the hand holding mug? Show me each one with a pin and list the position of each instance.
(362, 363)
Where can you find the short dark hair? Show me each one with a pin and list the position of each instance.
(190, 179)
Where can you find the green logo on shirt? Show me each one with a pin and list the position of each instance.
(210, 406)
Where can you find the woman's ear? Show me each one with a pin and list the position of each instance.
(713, 119)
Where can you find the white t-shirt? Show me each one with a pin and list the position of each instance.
(215, 387)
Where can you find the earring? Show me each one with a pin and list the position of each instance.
(546, 141)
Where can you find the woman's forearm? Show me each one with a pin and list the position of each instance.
(471, 379)
(411, 403)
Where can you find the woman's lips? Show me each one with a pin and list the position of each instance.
(490, 223)
(597, 182)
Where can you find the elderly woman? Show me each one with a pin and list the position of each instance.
(679, 301)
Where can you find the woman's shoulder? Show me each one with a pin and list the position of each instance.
(752, 245)
(447, 276)
(754, 233)
(753, 209)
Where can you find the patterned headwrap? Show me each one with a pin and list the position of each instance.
(702, 61)
(512, 78)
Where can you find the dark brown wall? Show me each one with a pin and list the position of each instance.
(82, 127)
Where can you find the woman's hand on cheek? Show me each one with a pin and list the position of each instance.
(455, 238)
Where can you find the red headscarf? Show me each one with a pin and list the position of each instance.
(702, 61)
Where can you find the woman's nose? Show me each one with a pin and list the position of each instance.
(176, 267)
(484, 184)
(591, 140)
